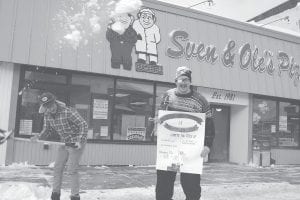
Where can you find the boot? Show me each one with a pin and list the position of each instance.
(55, 196)
(77, 197)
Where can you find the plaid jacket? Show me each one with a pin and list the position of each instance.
(67, 123)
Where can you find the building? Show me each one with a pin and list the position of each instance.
(285, 15)
(249, 74)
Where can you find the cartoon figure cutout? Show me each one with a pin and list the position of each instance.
(122, 38)
(124, 32)
(146, 45)
(148, 36)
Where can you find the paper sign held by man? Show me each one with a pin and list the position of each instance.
(180, 140)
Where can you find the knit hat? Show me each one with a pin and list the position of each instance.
(184, 71)
(46, 100)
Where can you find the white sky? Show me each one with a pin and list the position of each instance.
(241, 10)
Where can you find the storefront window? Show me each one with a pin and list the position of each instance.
(276, 123)
(264, 124)
(34, 84)
(133, 107)
(92, 97)
(289, 123)
(115, 109)
(160, 90)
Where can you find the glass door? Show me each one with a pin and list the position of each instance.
(220, 147)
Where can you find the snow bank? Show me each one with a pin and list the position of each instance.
(20, 165)
(23, 191)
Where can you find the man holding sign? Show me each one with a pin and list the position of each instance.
(181, 146)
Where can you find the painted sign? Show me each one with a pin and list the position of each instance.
(248, 58)
(180, 140)
(125, 32)
(224, 96)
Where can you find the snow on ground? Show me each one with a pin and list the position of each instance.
(21, 181)
(260, 191)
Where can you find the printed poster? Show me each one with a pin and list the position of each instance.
(103, 131)
(282, 123)
(25, 127)
(180, 140)
(136, 133)
(100, 109)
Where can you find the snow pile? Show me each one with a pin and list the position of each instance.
(101, 167)
(20, 165)
(126, 6)
(51, 165)
(24, 191)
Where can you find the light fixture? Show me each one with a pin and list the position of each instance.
(121, 95)
(138, 103)
(218, 109)
(286, 18)
(210, 3)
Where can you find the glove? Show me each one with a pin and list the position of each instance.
(205, 151)
(75, 145)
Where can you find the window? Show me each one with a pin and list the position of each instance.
(92, 97)
(289, 122)
(115, 109)
(36, 82)
(276, 123)
(264, 123)
(132, 109)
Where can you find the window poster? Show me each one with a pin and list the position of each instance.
(136, 133)
(103, 131)
(100, 108)
(25, 127)
(90, 134)
(273, 128)
(283, 123)
(180, 140)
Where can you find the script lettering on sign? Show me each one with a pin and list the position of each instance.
(189, 49)
(248, 58)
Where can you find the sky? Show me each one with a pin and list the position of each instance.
(240, 10)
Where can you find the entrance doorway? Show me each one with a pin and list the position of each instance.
(220, 148)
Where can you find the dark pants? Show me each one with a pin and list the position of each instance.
(165, 185)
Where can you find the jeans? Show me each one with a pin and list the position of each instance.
(165, 185)
(72, 155)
